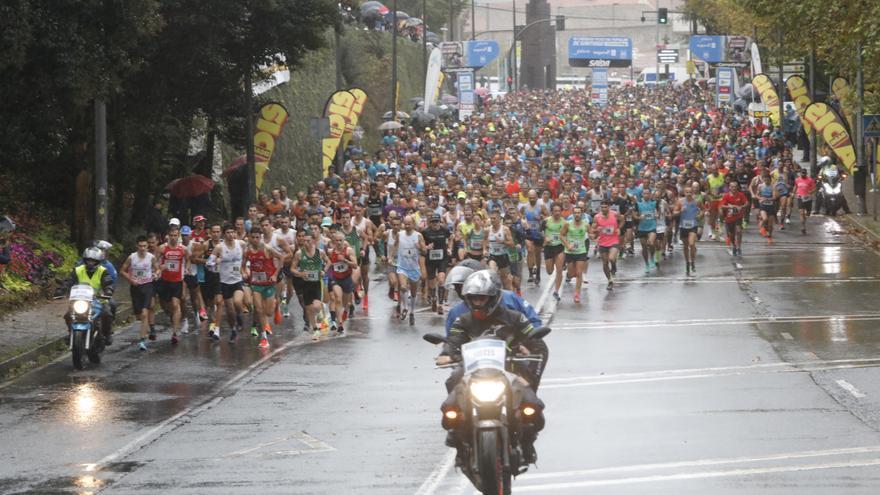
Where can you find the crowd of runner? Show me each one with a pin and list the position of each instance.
(536, 182)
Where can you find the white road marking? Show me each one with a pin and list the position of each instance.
(313, 443)
(849, 387)
(733, 280)
(705, 462)
(697, 373)
(698, 475)
(430, 485)
(715, 321)
(787, 336)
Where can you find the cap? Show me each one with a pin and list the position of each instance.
(461, 195)
(174, 222)
(435, 217)
(326, 222)
(185, 230)
(103, 245)
(392, 185)
(199, 218)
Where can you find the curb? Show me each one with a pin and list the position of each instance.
(50, 347)
(855, 219)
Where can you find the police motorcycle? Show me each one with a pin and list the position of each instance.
(489, 412)
(85, 316)
(831, 190)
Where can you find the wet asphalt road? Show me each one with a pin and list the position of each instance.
(759, 375)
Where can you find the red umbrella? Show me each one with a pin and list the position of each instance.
(190, 187)
(235, 165)
(483, 91)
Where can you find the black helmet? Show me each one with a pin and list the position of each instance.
(482, 283)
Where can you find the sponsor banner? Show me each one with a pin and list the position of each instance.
(592, 51)
(707, 48)
(768, 96)
(479, 53)
(756, 60)
(797, 90)
(722, 49)
(724, 86)
(840, 88)
(828, 123)
(435, 60)
(360, 99)
(599, 87)
(338, 111)
(466, 98)
(273, 116)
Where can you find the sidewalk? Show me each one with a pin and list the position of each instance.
(864, 222)
(29, 335)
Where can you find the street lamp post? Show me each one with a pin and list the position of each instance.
(394, 62)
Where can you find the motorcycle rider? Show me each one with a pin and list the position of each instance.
(482, 294)
(89, 270)
(829, 170)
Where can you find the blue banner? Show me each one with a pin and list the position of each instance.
(592, 51)
(724, 83)
(466, 99)
(480, 53)
(599, 84)
(708, 48)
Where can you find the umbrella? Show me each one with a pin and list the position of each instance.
(481, 91)
(422, 119)
(390, 125)
(373, 7)
(6, 224)
(400, 15)
(448, 99)
(416, 100)
(235, 165)
(400, 115)
(190, 187)
(432, 37)
(413, 21)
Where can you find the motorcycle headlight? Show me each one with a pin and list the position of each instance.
(836, 189)
(81, 307)
(487, 390)
(827, 187)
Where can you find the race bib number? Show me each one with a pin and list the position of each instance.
(435, 254)
(767, 202)
(608, 230)
(615, 208)
(409, 253)
(648, 216)
(259, 277)
(141, 274)
(688, 224)
(575, 245)
(235, 268)
(629, 218)
(172, 266)
(312, 276)
(497, 249)
(661, 229)
(340, 266)
(476, 245)
(553, 238)
(733, 209)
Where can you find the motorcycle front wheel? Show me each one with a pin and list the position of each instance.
(493, 479)
(79, 349)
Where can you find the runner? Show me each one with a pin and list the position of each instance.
(768, 195)
(409, 244)
(174, 261)
(733, 207)
(285, 283)
(211, 287)
(258, 268)
(805, 187)
(646, 213)
(308, 269)
(497, 242)
(574, 236)
(474, 240)
(534, 214)
(664, 216)
(342, 262)
(688, 212)
(355, 242)
(228, 256)
(515, 253)
(714, 189)
(437, 240)
(191, 278)
(606, 229)
(140, 269)
(277, 242)
(554, 254)
(367, 231)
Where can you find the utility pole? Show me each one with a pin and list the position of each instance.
(394, 63)
(425, 39)
(781, 81)
(451, 34)
(515, 75)
(473, 21)
(101, 213)
(812, 99)
(860, 182)
(337, 41)
(251, 195)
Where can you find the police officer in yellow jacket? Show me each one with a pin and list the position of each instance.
(90, 272)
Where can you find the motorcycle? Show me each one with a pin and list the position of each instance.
(85, 323)
(489, 411)
(832, 193)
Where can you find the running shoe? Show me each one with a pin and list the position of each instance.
(285, 311)
(364, 302)
(203, 315)
(440, 309)
(316, 335)
(333, 326)
(152, 332)
(357, 297)
(264, 343)
(804, 231)
(340, 330)
(268, 329)
(412, 319)
(277, 315)
(577, 298)
(763, 231)
(184, 327)
(556, 296)
(174, 339)
(214, 335)
(233, 337)
(254, 331)
(344, 316)
(142, 345)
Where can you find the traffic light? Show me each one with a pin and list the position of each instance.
(663, 16)
(560, 23)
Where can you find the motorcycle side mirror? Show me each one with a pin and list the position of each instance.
(541, 333)
(434, 338)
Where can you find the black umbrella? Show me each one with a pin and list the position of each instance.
(6, 224)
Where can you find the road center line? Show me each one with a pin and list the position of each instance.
(716, 321)
(849, 387)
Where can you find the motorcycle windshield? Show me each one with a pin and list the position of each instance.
(81, 292)
(484, 354)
